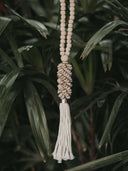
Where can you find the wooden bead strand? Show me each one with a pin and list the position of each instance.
(65, 52)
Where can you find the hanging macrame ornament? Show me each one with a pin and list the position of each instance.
(63, 147)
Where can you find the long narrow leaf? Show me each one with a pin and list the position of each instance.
(5, 107)
(99, 163)
(120, 165)
(7, 59)
(79, 74)
(33, 23)
(14, 48)
(100, 35)
(49, 87)
(37, 120)
(4, 21)
(8, 80)
(38, 26)
(112, 118)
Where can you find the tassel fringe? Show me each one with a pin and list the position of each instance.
(63, 149)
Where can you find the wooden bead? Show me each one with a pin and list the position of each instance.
(72, 13)
(69, 45)
(63, 8)
(63, 32)
(62, 20)
(63, 16)
(68, 49)
(62, 41)
(61, 45)
(62, 28)
(72, 8)
(72, 17)
(69, 29)
(70, 25)
(70, 21)
(68, 37)
(64, 58)
(72, 4)
(69, 33)
(62, 49)
(62, 36)
(62, 12)
(62, 53)
(62, 1)
(72, 1)
(69, 41)
(62, 25)
(67, 53)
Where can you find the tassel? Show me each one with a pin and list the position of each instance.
(63, 149)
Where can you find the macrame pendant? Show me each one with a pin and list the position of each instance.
(63, 147)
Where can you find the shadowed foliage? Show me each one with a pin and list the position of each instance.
(29, 115)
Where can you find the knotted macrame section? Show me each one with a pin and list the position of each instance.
(64, 80)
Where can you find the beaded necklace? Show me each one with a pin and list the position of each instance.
(63, 149)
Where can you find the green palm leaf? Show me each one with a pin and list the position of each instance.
(38, 26)
(91, 44)
(5, 107)
(112, 118)
(99, 163)
(37, 120)
(7, 59)
(4, 21)
(7, 96)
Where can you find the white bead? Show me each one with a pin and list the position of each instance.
(70, 21)
(62, 1)
(69, 34)
(69, 29)
(67, 53)
(62, 25)
(62, 12)
(72, 8)
(64, 58)
(63, 32)
(61, 45)
(72, 4)
(62, 28)
(69, 41)
(72, 17)
(70, 25)
(62, 49)
(62, 41)
(63, 16)
(72, 13)
(69, 45)
(63, 8)
(61, 53)
(68, 49)
(62, 37)
(72, 1)
(68, 37)
(62, 20)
